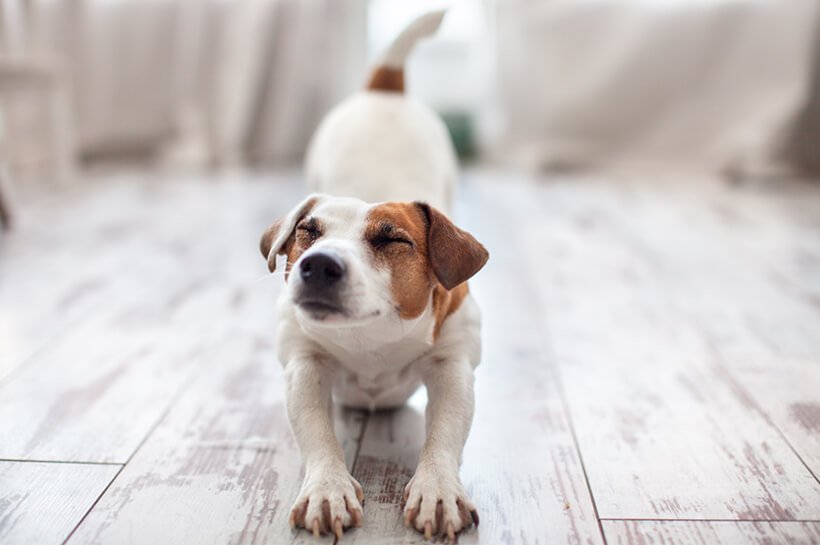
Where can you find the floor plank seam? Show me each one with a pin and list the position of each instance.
(171, 404)
(70, 462)
(721, 363)
(668, 286)
(93, 505)
(577, 449)
(367, 416)
(546, 352)
(142, 442)
(550, 361)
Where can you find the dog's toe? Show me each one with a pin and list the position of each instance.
(437, 504)
(328, 504)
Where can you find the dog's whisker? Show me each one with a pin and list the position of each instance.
(267, 277)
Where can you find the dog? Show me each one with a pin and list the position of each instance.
(376, 301)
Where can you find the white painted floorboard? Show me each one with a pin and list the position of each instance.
(650, 371)
(43, 502)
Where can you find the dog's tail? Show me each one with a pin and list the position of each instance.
(389, 73)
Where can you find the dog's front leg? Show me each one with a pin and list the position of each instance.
(436, 501)
(330, 498)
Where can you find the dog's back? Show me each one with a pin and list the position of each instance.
(380, 145)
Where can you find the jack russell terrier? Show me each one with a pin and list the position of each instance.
(376, 300)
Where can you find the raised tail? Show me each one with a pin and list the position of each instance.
(388, 75)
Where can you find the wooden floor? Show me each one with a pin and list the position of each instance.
(651, 367)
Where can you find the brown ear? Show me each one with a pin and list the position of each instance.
(267, 241)
(454, 255)
(275, 238)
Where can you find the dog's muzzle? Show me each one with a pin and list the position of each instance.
(322, 275)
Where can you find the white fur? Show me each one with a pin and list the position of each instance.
(403, 44)
(381, 146)
(375, 147)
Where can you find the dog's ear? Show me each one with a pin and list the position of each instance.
(276, 237)
(455, 255)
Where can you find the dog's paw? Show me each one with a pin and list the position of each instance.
(329, 502)
(437, 504)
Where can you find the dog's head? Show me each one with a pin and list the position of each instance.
(352, 263)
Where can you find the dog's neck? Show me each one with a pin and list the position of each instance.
(400, 338)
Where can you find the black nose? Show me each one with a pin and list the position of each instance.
(321, 269)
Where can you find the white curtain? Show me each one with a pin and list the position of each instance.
(715, 84)
(206, 81)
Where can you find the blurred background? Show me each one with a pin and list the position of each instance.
(728, 86)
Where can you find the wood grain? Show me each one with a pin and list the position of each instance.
(752, 293)
(742, 269)
(711, 532)
(740, 266)
(79, 249)
(95, 393)
(787, 391)
(663, 434)
(41, 503)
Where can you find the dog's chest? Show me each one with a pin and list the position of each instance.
(380, 366)
(379, 377)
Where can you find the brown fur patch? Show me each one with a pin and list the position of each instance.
(447, 302)
(455, 255)
(412, 279)
(384, 78)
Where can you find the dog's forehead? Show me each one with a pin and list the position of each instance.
(343, 217)
(403, 215)
(340, 215)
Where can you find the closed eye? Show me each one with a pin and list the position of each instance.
(310, 228)
(388, 235)
(382, 241)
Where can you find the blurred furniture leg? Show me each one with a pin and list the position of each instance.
(6, 213)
